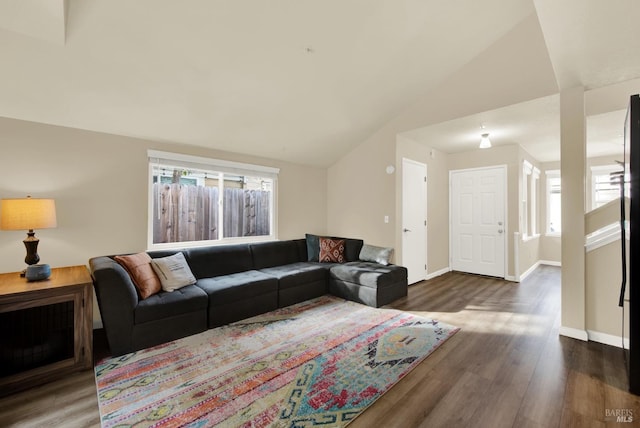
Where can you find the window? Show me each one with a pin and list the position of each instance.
(194, 201)
(554, 203)
(605, 186)
(529, 218)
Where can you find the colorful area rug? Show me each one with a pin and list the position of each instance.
(320, 362)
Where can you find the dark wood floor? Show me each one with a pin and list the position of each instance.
(507, 367)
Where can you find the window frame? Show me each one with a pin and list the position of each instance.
(551, 174)
(600, 170)
(155, 157)
(529, 200)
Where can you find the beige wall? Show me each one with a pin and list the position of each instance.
(360, 193)
(99, 182)
(603, 278)
(437, 201)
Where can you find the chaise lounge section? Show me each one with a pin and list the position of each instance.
(234, 282)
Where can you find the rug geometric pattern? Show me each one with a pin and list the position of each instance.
(318, 363)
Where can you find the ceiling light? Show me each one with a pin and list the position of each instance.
(485, 142)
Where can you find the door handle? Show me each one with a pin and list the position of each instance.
(406, 230)
(500, 230)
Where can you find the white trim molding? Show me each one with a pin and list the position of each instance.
(529, 271)
(438, 273)
(550, 263)
(574, 333)
(607, 339)
(604, 236)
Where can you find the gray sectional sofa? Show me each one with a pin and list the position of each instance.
(234, 282)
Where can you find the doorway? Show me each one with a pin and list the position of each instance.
(414, 219)
(478, 220)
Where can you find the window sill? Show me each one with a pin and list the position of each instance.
(526, 238)
(553, 235)
(210, 243)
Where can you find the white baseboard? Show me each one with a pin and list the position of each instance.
(574, 333)
(529, 271)
(550, 263)
(438, 273)
(607, 339)
(511, 278)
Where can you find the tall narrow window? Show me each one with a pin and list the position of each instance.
(529, 204)
(554, 202)
(194, 201)
(524, 208)
(533, 206)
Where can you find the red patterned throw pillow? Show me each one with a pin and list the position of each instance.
(331, 250)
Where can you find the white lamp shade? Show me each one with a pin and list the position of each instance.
(27, 213)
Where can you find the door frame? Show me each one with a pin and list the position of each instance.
(505, 171)
(426, 203)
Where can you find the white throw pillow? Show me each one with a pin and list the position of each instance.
(371, 253)
(173, 271)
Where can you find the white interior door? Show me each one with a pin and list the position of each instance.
(477, 218)
(414, 219)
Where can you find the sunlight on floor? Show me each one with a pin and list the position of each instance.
(491, 322)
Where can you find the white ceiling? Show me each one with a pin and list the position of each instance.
(301, 81)
(534, 125)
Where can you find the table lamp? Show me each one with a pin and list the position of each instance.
(28, 214)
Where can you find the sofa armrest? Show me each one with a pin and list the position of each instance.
(117, 299)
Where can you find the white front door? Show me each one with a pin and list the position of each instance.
(477, 218)
(414, 219)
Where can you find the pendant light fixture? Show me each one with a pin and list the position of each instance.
(485, 142)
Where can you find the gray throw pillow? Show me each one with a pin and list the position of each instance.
(371, 253)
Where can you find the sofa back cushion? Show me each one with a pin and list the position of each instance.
(208, 262)
(302, 249)
(352, 249)
(275, 253)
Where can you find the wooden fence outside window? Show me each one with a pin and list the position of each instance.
(190, 213)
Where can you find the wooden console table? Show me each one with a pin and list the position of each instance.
(46, 327)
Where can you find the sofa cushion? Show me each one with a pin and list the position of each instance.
(296, 274)
(352, 248)
(142, 274)
(207, 262)
(164, 304)
(301, 244)
(237, 286)
(274, 253)
(371, 253)
(173, 271)
(313, 247)
(369, 274)
(331, 250)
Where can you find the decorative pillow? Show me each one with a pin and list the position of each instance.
(371, 253)
(173, 271)
(139, 268)
(313, 247)
(331, 250)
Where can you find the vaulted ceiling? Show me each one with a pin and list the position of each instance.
(302, 81)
